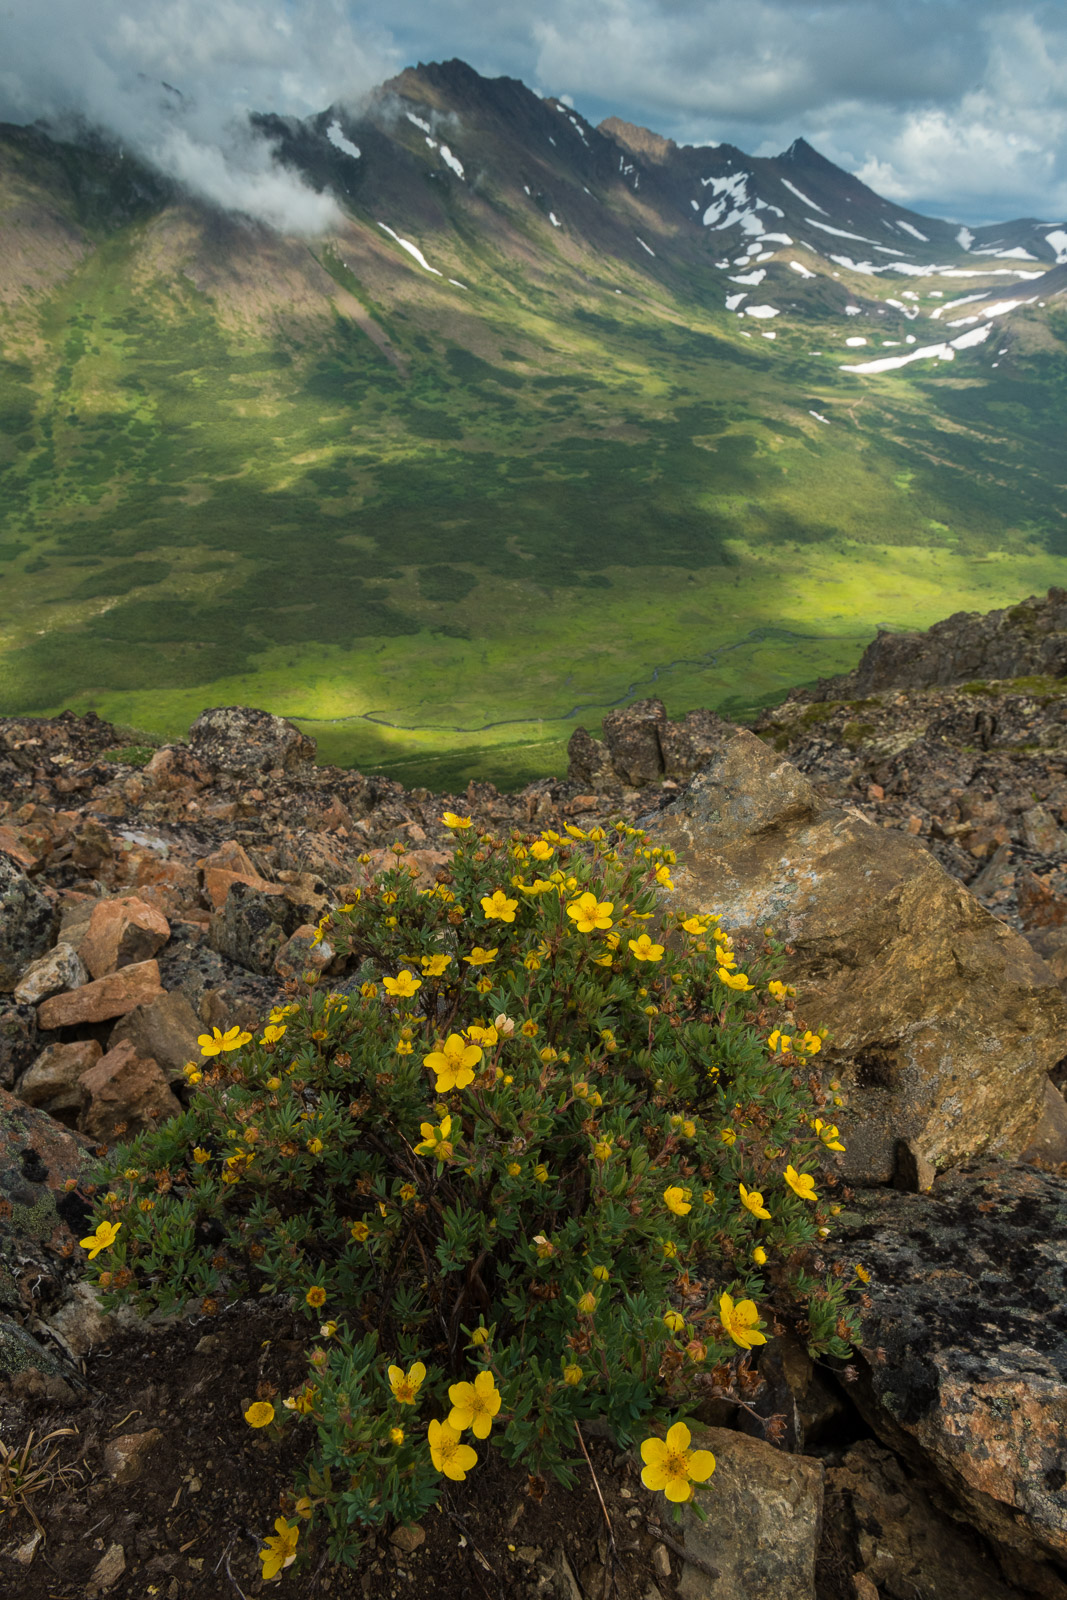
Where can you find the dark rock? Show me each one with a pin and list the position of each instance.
(18, 1040)
(632, 738)
(588, 762)
(27, 923)
(243, 741)
(166, 1030)
(53, 1080)
(252, 926)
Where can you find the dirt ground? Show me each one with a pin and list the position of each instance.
(190, 1526)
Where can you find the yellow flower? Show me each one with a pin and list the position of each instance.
(542, 851)
(396, 1436)
(200, 1155)
(828, 1134)
(529, 1029)
(316, 1295)
(572, 1375)
(447, 1452)
(457, 824)
(602, 1150)
(403, 986)
(663, 877)
(274, 1083)
(862, 1274)
(779, 1041)
(259, 1414)
(643, 949)
(454, 1063)
(273, 1033)
(672, 1467)
(780, 990)
(360, 1232)
(215, 1042)
(601, 1274)
(586, 1304)
(369, 991)
(741, 1321)
(809, 1042)
(513, 1169)
(695, 925)
(279, 1552)
(102, 1239)
(498, 906)
(474, 1405)
(734, 980)
(752, 1200)
(434, 966)
(674, 1320)
(759, 1256)
(677, 1200)
(541, 1172)
(480, 1336)
(328, 1329)
(404, 1047)
(588, 913)
(484, 986)
(435, 1141)
(407, 1192)
(315, 1146)
(479, 957)
(406, 1385)
(728, 1136)
(801, 1183)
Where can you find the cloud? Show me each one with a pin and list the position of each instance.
(174, 80)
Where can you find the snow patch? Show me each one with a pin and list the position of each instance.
(950, 305)
(839, 232)
(1017, 254)
(907, 227)
(1058, 240)
(801, 196)
(819, 416)
(338, 140)
(768, 336)
(853, 311)
(451, 161)
(795, 266)
(749, 277)
(928, 352)
(996, 308)
(456, 284)
(649, 248)
(965, 238)
(412, 250)
(866, 269)
(556, 223)
(762, 311)
(734, 300)
(855, 342)
(418, 121)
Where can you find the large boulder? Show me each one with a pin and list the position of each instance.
(18, 1040)
(27, 923)
(124, 1093)
(107, 997)
(966, 1335)
(943, 1022)
(252, 926)
(641, 746)
(243, 742)
(121, 933)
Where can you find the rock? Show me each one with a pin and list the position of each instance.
(27, 922)
(244, 742)
(60, 969)
(896, 1526)
(632, 737)
(53, 1081)
(252, 927)
(301, 953)
(911, 1170)
(126, 1093)
(796, 1390)
(18, 1040)
(1048, 1143)
(967, 1295)
(81, 1323)
(107, 997)
(166, 1029)
(122, 933)
(108, 1571)
(1041, 833)
(999, 873)
(689, 745)
(407, 1538)
(588, 762)
(217, 882)
(943, 1023)
(1038, 907)
(763, 1510)
(128, 1457)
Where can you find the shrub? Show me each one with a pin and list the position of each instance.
(546, 1158)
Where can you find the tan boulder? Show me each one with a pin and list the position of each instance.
(166, 1029)
(122, 933)
(53, 1080)
(218, 881)
(303, 952)
(125, 1093)
(943, 1022)
(111, 996)
(61, 968)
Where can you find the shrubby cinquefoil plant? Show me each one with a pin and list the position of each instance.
(551, 1155)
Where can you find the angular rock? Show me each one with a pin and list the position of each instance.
(128, 1457)
(1048, 1142)
(1042, 833)
(689, 745)
(763, 1509)
(122, 933)
(125, 1094)
(968, 1299)
(107, 997)
(19, 1042)
(243, 741)
(588, 762)
(27, 923)
(943, 1023)
(632, 736)
(303, 952)
(60, 969)
(166, 1030)
(1038, 907)
(218, 880)
(53, 1080)
(252, 927)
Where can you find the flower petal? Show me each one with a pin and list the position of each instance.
(678, 1438)
(653, 1451)
(677, 1489)
(654, 1476)
(701, 1465)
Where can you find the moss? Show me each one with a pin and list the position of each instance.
(856, 732)
(131, 755)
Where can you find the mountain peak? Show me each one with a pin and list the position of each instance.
(641, 141)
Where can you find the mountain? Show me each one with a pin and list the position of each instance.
(551, 414)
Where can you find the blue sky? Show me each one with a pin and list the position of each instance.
(955, 107)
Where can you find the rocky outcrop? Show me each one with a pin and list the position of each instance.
(943, 1024)
(27, 922)
(1020, 641)
(642, 747)
(124, 1094)
(966, 1342)
(238, 739)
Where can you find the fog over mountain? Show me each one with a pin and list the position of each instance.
(955, 110)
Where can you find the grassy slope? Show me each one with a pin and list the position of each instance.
(443, 572)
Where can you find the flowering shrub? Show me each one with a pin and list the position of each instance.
(550, 1156)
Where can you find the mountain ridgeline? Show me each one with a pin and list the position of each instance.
(550, 416)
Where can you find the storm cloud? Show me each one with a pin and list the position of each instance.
(956, 107)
